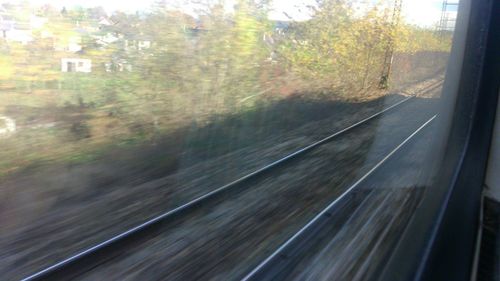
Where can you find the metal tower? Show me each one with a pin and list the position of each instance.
(389, 52)
(447, 21)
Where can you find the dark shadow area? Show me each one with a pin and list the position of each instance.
(220, 135)
(128, 185)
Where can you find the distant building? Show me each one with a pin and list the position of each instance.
(137, 44)
(72, 43)
(143, 44)
(76, 65)
(106, 39)
(13, 31)
(281, 27)
(119, 65)
(37, 22)
(104, 21)
(7, 125)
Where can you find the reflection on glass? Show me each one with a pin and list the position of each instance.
(113, 112)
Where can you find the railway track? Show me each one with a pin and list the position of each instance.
(278, 261)
(109, 248)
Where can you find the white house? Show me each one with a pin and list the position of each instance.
(105, 22)
(76, 65)
(74, 44)
(137, 44)
(143, 44)
(13, 31)
(7, 125)
(106, 39)
(118, 65)
(71, 44)
(22, 36)
(37, 22)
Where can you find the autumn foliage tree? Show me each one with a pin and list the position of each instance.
(342, 50)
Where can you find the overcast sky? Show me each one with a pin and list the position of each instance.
(420, 12)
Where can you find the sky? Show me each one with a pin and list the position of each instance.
(423, 12)
(419, 12)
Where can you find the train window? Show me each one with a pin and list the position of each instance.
(227, 139)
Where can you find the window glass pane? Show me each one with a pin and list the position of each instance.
(114, 112)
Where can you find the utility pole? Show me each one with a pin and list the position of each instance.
(389, 51)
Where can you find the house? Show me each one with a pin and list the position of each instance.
(119, 65)
(104, 21)
(6, 24)
(7, 125)
(76, 65)
(11, 30)
(18, 30)
(143, 44)
(74, 44)
(37, 22)
(137, 43)
(281, 27)
(105, 39)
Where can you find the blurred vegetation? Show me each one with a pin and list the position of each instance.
(156, 71)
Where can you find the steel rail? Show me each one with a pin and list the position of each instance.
(280, 254)
(100, 249)
(431, 87)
